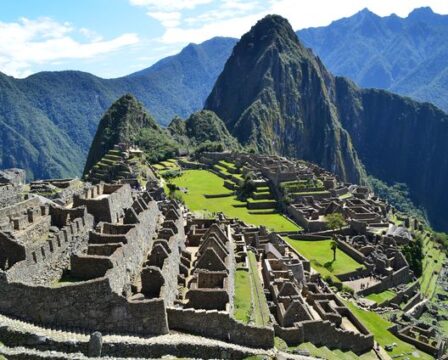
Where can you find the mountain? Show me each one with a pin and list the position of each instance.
(403, 55)
(126, 121)
(201, 127)
(50, 118)
(275, 95)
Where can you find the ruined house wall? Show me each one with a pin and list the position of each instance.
(170, 269)
(39, 256)
(219, 325)
(9, 195)
(90, 305)
(401, 276)
(108, 208)
(20, 207)
(124, 263)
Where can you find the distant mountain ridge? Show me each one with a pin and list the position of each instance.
(404, 55)
(48, 120)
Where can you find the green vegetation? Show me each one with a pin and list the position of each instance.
(320, 255)
(381, 297)
(198, 183)
(202, 131)
(242, 299)
(66, 106)
(261, 310)
(398, 195)
(249, 300)
(325, 353)
(414, 254)
(378, 327)
(126, 121)
(335, 221)
(432, 263)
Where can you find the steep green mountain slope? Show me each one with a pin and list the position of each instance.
(273, 95)
(30, 140)
(400, 141)
(404, 55)
(287, 102)
(200, 127)
(126, 121)
(50, 118)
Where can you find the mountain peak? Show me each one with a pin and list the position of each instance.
(421, 13)
(272, 96)
(271, 27)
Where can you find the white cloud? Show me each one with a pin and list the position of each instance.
(29, 42)
(167, 19)
(169, 5)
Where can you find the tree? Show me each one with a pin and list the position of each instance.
(335, 221)
(334, 246)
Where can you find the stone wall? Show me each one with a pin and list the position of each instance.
(49, 253)
(124, 262)
(401, 276)
(20, 207)
(170, 268)
(9, 195)
(219, 325)
(105, 202)
(90, 305)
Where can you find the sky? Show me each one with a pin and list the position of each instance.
(112, 38)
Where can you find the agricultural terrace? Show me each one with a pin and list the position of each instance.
(379, 328)
(381, 297)
(198, 185)
(167, 165)
(320, 254)
(432, 263)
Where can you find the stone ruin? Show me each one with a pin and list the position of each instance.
(113, 258)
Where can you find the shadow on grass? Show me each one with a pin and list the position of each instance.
(329, 265)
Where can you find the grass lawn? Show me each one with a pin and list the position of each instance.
(378, 327)
(325, 353)
(321, 257)
(200, 182)
(242, 298)
(261, 310)
(249, 300)
(382, 296)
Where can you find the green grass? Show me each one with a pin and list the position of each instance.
(378, 327)
(200, 182)
(321, 257)
(345, 196)
(261, 310)
(249, 300)
(242, 299)
(381, 297)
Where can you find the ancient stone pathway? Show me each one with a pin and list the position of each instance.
(40, 334)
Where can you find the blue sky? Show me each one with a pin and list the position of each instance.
(112, 38)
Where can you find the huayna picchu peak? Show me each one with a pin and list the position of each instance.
(295, 216)
(273, 94)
